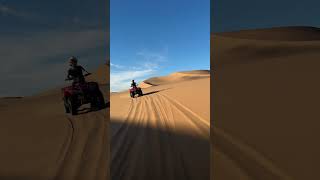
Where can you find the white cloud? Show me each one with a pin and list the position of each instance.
(116, 66)
(76, 20)
(149, 64)
(121, 80)
(30, 50)
(5, 10)
(31, 62)
(8, 11)
(147, 55)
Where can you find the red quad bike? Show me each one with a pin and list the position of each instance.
(135, 90)
(82, 93)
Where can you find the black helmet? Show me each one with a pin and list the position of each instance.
(73, 60)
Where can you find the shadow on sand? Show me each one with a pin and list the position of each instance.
(86, 110)
(149, 153)
(146, 94)
(153, 92)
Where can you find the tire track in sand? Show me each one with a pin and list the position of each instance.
(250, 161)
(147, 145)
(86, 155)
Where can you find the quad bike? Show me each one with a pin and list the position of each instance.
(82, 93)
(135, 90)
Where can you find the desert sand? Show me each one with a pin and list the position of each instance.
(40, 142)
(265, 91)
(165, 133)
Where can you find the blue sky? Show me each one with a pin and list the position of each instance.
(233, 15)
(153, 38)
(37, 37)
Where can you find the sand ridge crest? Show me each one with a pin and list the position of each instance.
(176, 77)
(290, 33)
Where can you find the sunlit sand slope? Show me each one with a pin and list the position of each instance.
(163, 134)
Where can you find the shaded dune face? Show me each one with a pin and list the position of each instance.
(298, 33)
(230, 51)
(265, 92)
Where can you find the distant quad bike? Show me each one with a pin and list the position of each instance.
(135, 90)
(82, 93)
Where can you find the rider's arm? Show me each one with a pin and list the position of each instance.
(84, 70)
(69, 75)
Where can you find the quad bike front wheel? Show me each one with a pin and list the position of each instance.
(132, 94)
(140, 92)
(71, 106)
(66, 106)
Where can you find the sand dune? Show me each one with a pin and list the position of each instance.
(176, 77)
(145, 85)
(39, 141)
(265, 96)
(299, 33)
(101, 75)
(163, 134)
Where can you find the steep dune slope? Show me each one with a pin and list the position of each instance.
(101, 75)
(265, 96)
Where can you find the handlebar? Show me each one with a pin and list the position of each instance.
(69, 79)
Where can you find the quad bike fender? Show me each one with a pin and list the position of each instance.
(93, 86)
(66, 94)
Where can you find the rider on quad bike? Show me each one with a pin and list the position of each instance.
(133, 84)
(81, 92)
(75, 73)
(135, 90)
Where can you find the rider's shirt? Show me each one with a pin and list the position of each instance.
(76, 73)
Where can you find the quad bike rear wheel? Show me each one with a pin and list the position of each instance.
(140, 92)
(100, 100)
(97, 101)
